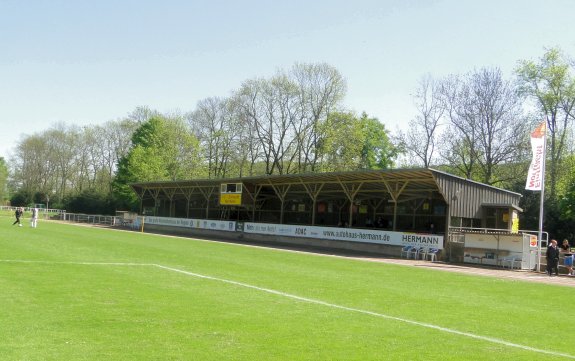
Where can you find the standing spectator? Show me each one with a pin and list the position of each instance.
(369, 222)
(568, 261)
(34, 219)
(18, 213)
(552, 258)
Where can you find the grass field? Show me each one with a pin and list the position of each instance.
(77, 293)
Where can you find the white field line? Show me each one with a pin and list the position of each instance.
(313, 301)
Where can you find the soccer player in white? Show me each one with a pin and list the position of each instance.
(34, 219)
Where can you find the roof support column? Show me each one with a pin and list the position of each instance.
(155, 194)
(207, 193)
(375, 206)
(394, 193)
(187, 192)
(313, 192)
(255, 201)
(170, 194)
(281, 192)
(350, 192)
(415, 208)
(141, 197)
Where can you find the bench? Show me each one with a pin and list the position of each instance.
(511, 261)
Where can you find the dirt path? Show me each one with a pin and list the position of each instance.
(530, 276)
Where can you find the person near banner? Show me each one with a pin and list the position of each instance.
(552, 258)
(34, 219)
(568, 260)
(18, 213)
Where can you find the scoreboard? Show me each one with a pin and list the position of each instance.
(231, 194)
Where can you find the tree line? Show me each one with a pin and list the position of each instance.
(477, 125)
(474, 125)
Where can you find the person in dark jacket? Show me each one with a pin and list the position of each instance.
(552, 258)
(18, 213)
(565, 248)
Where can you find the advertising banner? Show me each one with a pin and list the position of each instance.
(331, 233)
(536, 174)
(347, 234)
(192, 223)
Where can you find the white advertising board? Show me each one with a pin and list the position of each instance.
(347, 234)
(332, 233)
(192, 223)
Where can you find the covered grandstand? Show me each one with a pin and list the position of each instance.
(410, 201)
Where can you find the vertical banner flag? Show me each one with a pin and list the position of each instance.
(536, 169)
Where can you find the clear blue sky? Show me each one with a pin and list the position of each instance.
(88, 62)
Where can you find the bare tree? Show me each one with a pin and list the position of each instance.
(420, 140)
(87, 160)
(32, 167)
(320, 90)
(247, 147)
(142, 114)
(112, 141)
(459, 140)
(285, 112)
(486, 124)
(62, 142)
(502, 126)
(269, 106)
(214, 124)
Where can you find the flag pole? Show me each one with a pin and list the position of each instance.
(542, 195)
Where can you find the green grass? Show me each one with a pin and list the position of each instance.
(61, 309)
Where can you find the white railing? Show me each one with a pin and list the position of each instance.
(43, 213)
(90, 218)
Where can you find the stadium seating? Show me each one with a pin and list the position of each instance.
(431, 254)
(406, 251)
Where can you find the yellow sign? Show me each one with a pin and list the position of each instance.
(230, 199)
(515, 225)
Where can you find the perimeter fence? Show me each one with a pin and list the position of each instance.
(42, 214)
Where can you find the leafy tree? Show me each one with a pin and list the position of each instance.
(557, 222)
(566, 200)
(377, 151)
(351, 143)
(20, 199)
(129, 166)
(3, 181)
(342, 144)
(162, 149)
(91, 202)
(550, 84)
